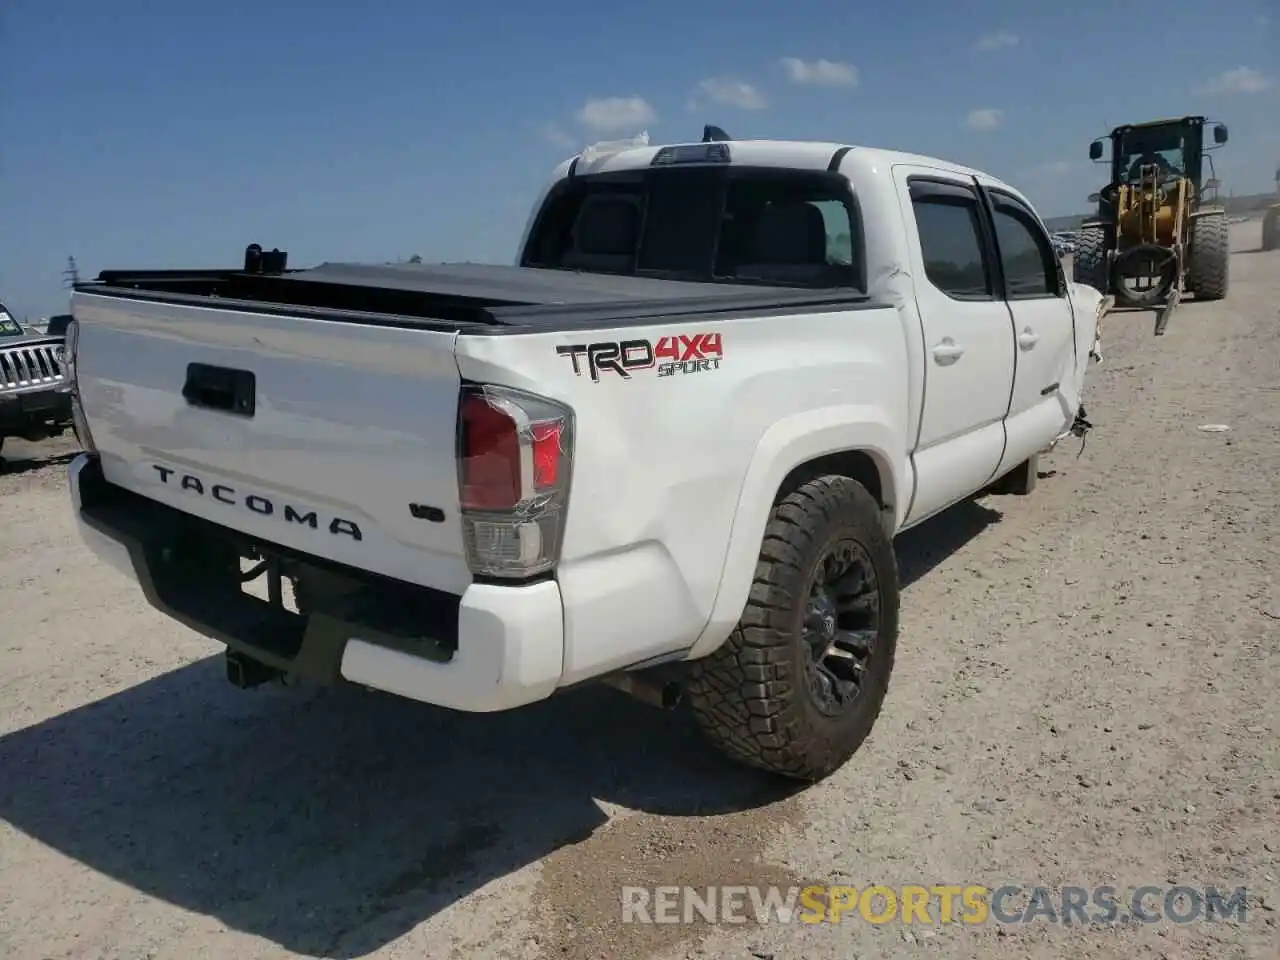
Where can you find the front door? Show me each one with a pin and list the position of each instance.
(1044, 400)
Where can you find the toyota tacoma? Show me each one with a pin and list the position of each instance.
(668, 449)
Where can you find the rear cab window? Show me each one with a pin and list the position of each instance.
(704, 223)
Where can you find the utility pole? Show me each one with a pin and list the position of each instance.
(71, 275)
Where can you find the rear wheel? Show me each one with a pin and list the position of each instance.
(1089, 263)
(798, 685)
(1208, 272)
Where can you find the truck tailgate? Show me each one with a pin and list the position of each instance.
(331, 437)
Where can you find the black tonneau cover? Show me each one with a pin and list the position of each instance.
(477, 297)
(526, 286)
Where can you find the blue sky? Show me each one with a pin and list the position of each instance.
(138, 133)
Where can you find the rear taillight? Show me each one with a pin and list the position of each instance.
(515, 457)
(71, 356)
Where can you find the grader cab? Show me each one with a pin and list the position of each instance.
(1159, 232)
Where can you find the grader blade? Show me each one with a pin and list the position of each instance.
(1162, 318)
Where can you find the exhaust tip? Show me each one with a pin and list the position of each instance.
(665, 695)
(670, 695)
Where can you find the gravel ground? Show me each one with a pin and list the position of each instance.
(1083, 696)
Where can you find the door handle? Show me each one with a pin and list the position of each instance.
(948, 351)
(1028, 339)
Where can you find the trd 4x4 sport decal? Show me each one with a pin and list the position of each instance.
(680, 354)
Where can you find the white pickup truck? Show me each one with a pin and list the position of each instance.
(668, 449)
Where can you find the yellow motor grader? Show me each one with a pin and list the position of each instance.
(1271, 222)
(1159, 233)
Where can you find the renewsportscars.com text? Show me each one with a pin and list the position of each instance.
(929, 905)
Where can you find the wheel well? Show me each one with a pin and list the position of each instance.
(854, 464)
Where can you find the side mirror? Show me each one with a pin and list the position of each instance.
(1095, 197)
(1095, 149)
(1212, 183)
(1220, 134)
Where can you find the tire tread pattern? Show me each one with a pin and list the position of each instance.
(1208, 273)
(747, 695)
(1271, 229)
(1089, 263)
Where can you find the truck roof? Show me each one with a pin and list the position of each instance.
(792, 154)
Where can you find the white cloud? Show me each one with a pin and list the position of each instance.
(613, 114)
(984, 118)
(997, 41)
(730, 93)
(557, 136)
(1239, 80)
(821, 73)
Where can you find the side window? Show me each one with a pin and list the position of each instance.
(8, 325)
(951, 241)
(835, 217)
(1026, 254)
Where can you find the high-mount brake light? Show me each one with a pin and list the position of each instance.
(515, 457)
(715, 151)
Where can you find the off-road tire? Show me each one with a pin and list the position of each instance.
(1271, 229)
(1209, 269)
(1089, 262)
(750, 697)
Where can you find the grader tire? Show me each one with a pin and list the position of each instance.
(1209, 272)
(1089, 265)
(1271, 229)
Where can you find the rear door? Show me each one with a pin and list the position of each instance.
(969, 350)
(1042, 404)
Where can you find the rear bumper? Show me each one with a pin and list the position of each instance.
(494, 648)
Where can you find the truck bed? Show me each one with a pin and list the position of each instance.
(317, 409)
(470, 297)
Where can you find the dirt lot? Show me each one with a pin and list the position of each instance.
(1084, 696)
